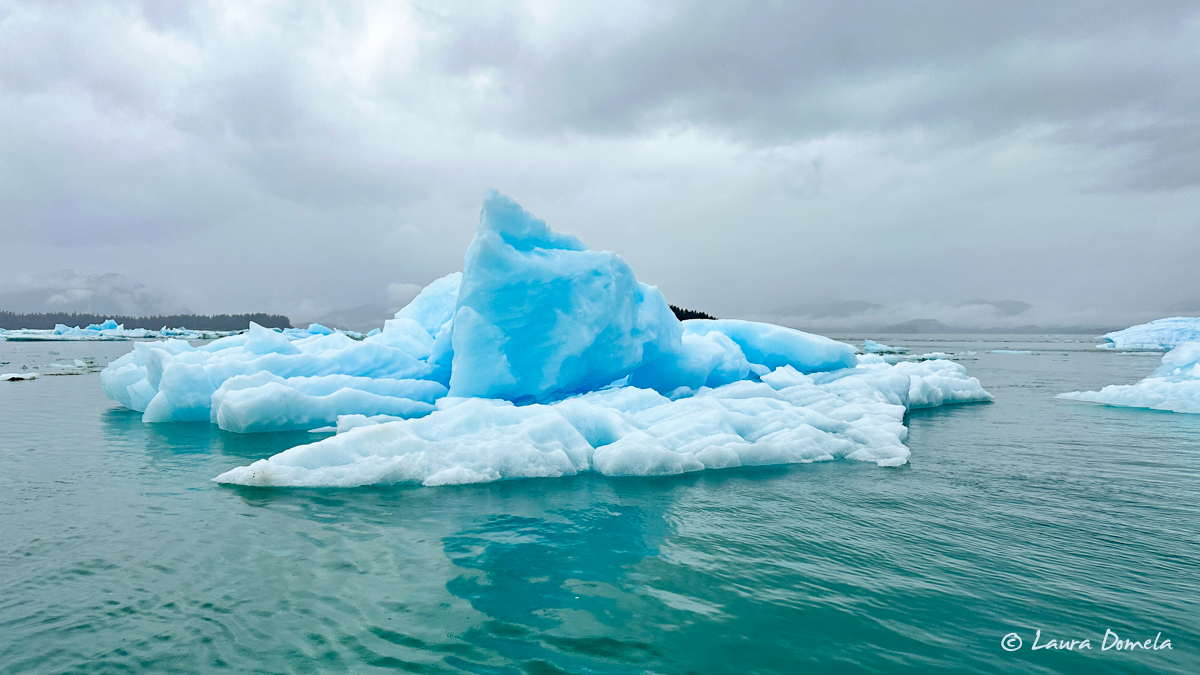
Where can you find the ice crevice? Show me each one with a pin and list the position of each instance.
(542, 358)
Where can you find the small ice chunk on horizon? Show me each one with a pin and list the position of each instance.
(873, 347)
(17, 377)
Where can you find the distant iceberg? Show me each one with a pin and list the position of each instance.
(541, 358)
(110, 330)
(1174, 386)
(1158, 335)
(873, 347)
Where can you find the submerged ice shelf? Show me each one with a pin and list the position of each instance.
(541, 358)
(1174, 386)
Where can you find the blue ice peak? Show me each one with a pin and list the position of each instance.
(519, 228)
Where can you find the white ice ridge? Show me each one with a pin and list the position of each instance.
(788, 417)
(1173, 386)
(1158, 335)
(539, 345)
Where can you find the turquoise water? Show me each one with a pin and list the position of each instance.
(119, 555)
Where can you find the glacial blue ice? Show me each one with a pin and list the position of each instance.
(434, 305)
(1158, 335)
(1173, 386)
(541, 358)
(539, 315)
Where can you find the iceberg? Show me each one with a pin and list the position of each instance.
(1158, 335)
(1174, 386)
(540, 358)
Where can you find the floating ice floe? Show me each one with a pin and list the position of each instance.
(16, 377)
(1173, 386)
(110, 330)
(542, 358)
(318, 329)
(61, 333)
(1158, 335)
(873, 347)
(1009, 351)
(188, 334)
(76, 367)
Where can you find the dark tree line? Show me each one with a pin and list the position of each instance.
(684, 314)
(14, 321)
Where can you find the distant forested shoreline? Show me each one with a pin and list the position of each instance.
(685, 314)
(14, 321)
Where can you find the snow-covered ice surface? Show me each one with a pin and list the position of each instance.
(1158, 335)
(1173, 386)
(788, 417)
(542, 358)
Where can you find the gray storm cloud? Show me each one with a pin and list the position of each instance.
(909, 157)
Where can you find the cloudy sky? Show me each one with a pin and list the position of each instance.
(837, 163)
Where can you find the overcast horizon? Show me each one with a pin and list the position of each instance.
(825, 165)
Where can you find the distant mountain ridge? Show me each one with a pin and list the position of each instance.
(933, 327)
